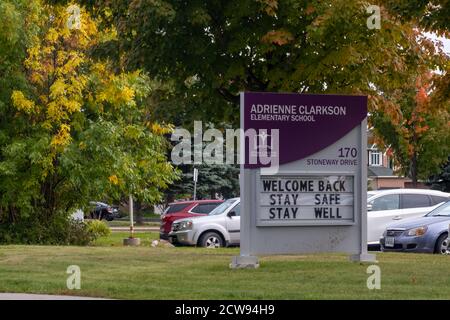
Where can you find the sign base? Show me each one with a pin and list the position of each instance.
(244, 262)
(363, 257)
(132, 242)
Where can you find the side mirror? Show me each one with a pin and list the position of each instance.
(231, 214)
(369, 207)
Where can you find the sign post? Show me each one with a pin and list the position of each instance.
(195, 182)
(303, 175)
(131, 240)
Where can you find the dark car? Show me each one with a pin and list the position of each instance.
(184, 209)
(101, 210)
(426, 234)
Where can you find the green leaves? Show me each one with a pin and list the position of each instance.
(229, 46)
(78, 131)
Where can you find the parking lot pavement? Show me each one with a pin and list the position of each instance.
(26, 296)
(135, 229)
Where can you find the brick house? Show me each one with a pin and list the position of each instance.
(380, 171)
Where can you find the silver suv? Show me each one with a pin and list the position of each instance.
(220, 228)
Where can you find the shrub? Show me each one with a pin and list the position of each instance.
(59, 231)
(98, 228)
(78, 233)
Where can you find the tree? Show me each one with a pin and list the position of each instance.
(213, 50)
(429, 15)
(214, 180)
(441, 181)
(77, 131)
(417, 133)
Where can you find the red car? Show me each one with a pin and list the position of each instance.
(184, 209)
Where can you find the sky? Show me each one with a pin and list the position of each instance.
(445, 41)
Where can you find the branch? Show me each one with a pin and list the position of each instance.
(228, 96)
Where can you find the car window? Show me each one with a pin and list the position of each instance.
(415, 201)
(222, 207)
(237, 210)
(437, 199)
(204, 208)
(176, 207)
(387, 202)
(442, 210)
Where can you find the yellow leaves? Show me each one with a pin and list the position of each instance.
(108, 34)
(67, 61)
(160, 129)
(61, 109)
(57, 89)
(278, 37)
(127, 94)
(82, 145)
(22, 103)
(99, 68)
(113, 179)
(33, 54)
(62, 138)
(133, 132)
(55, 112)
(116, 96)
(52, 35)
(72, 106)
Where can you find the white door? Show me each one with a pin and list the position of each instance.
(234, 224)
(415, 205)
(384, 210)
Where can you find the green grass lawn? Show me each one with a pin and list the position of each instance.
(111, 270)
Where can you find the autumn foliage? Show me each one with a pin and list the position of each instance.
(78, 131)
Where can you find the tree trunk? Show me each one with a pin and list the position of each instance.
(138, 213)
(414, 170)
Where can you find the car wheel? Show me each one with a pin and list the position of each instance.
(441, 244)
(211, 240)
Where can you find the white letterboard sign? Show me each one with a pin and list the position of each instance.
(305, 200)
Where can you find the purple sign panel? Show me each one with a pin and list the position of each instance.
(304, 123)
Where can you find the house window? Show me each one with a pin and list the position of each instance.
(375, 158)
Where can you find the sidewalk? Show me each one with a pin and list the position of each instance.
(136, 229)
(27, 296)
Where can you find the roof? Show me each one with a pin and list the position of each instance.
(195, 201)
(375, 171)
(412, 191)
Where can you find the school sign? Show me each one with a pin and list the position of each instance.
(303, 178)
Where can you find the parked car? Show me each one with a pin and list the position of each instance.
(220, 228)
(101, 210)
(426, 234)
(184, 209)
(388, 206)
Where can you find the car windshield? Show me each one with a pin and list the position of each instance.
(370, 194)
(442, 210)
(224, 206)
